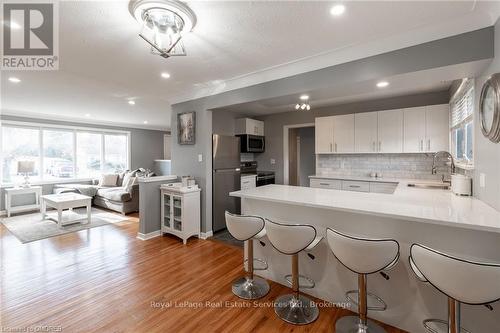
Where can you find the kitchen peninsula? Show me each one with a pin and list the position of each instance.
(464, 226)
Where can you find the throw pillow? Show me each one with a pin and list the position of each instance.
(127, 186)
(121, 175)
(126, 177)
(108, 180)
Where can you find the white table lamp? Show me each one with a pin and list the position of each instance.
(26, 167)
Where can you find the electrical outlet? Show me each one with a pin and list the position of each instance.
(200, 157)
(482, 180)
(273, 161)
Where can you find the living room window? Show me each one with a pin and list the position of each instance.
(61, 152)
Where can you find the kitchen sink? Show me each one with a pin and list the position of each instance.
(437, 186)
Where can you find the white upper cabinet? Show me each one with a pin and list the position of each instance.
(390, 131)
(249, 126)
(324, 135)
(365, 132)
(414, 130)
(426, 129)
(343, 134)
(437, 121)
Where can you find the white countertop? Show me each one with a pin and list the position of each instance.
(156, 179)
(413, 204)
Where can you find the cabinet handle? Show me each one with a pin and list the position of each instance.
(374, 149)
(421, 145)
(331, 147)
(379, 145)
(354, 186)
(429, 145)
(324, 184)
(335, 146)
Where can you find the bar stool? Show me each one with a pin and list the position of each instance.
(290, 239)
(461, 280)
(362, 256)
(248, 228)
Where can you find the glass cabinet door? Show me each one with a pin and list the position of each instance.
(167, 210)
(177, 210)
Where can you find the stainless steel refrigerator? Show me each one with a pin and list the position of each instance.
(225, 178)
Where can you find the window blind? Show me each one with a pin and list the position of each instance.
(463, 106)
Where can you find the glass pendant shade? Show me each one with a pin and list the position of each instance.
(162, 30)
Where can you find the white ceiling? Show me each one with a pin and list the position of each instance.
(103, 62)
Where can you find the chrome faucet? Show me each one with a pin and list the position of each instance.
(449, 156)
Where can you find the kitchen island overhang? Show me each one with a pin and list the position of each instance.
(463, 226)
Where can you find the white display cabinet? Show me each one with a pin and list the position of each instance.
(180, 210)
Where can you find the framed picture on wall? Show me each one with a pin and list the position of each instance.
(186, 128)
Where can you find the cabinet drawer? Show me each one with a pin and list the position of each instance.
(388, 188)
(333, 184)
(248, 182)
(349, 185)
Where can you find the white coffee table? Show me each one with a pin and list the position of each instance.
(66, 201)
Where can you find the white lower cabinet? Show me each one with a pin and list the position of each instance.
(180, 211)
(354, 185)
(248, 182)
(333, 184)
(357, 186)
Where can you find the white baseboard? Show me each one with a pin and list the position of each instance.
(205, 235)
(149, 235)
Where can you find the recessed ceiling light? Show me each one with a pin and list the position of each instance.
(304, 97)
(165, 75)
(131, 102)
(145, 121)
(337, 10)
(14, 79)
(382, 84)
(87, 115)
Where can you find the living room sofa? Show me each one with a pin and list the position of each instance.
(115, 197)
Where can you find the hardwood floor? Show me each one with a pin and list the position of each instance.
(106, 280)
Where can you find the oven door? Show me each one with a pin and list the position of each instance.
(265, 180)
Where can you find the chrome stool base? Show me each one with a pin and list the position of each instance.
(352, 324)
(250, 289)
(293, 310)
(374, 302)
(438, 326)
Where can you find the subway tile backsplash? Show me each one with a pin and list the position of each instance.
(403, 166)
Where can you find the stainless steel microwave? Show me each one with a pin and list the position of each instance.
(252, 143)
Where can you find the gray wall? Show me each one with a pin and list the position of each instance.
(185, 157)
(273, 124)
(307, 156)
(146, 146)
(487, 153)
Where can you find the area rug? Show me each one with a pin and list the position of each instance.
(30, 227)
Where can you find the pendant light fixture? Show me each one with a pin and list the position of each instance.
(303, 104)
(163, 24)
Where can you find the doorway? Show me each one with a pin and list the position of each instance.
(300, 159)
